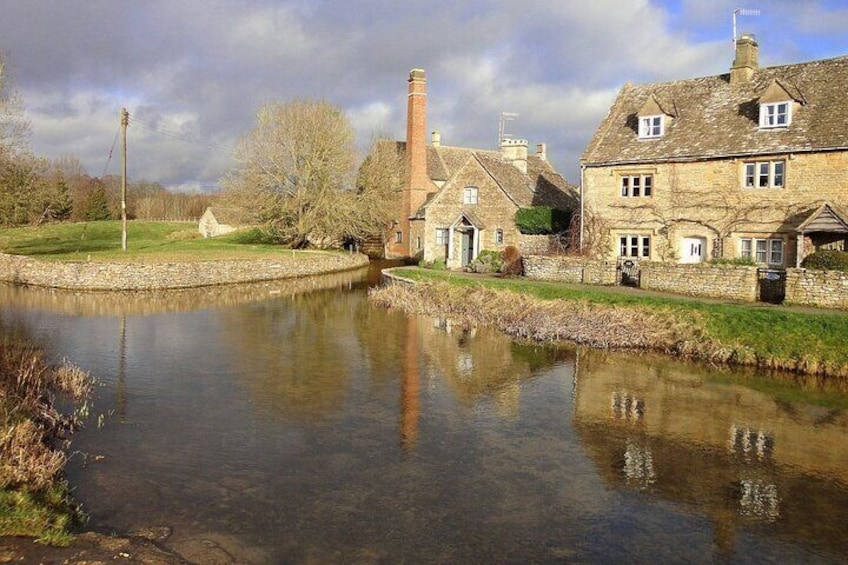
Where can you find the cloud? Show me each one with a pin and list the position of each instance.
(201, 68)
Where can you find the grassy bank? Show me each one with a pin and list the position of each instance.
(34, 499)
(766, 337)
(146, 241)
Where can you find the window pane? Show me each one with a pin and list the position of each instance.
(750, 169)
(634, 246)
(778, 173)
(761, 250)
(745, 250)
(622, 249)
(646, 246)
(636, 187)
(625, 186)
(764, 175)
(782, 113)
(776, 252)
(648, 181)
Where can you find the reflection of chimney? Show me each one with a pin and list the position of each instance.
(436, 139)
(745, 63)
(542, 151)
(515, 151)
(410, 389)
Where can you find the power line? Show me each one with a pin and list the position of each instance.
(109, 159)
(188, 138)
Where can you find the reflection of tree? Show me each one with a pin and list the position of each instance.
(296, 354)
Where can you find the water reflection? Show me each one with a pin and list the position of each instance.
(308, 425)
(739, 456)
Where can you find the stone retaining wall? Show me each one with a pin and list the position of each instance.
(733, 282)
(569, 269)
(95, 275)
(825, 289)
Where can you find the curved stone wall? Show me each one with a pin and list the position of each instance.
(93, 275)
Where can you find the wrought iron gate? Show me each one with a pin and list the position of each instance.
(629, 273)
(771, 285)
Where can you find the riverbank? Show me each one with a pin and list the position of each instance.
(144, 275)
(734, 334)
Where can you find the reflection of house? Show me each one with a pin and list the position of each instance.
(219, 222)
(460, 201)
(735, 165)
(733, 453)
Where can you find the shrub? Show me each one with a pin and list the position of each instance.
(827, 259)
(542, 220)
(742, 261)
(436, 265)
(512, 263)
(486, 262)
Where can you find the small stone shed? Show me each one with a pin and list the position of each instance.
(218, 222)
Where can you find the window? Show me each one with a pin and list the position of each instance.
(441, 236)
(469, 195)
(765, 174)
(634, 246)
(499, 236)
(776, 115)
(764, 251)
(417, 243)
(650, 126)
(398, 237)
(637, 186)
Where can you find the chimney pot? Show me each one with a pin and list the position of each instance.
(542, 151)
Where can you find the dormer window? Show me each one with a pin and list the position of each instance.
(650, 127)
(775, 115)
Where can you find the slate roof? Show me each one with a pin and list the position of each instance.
(541, 186)
(714, 118)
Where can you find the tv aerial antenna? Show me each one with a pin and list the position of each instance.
(505, 117)
(741, 12)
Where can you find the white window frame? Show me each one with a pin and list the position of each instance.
(764, 251)
(651, 127)
(470, 195)
(634, 245)
(636, 186)
(764, 174)
(499, 236)
(441, 236)
(775, 115)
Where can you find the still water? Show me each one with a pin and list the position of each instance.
(294, 422)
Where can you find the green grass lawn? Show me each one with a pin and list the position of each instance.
(146, 241)
(767, 331)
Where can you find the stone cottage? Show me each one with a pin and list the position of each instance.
(458, 201)
(750, 164)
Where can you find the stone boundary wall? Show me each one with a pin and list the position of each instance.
(733, 282)
(535, 244)
(559, 268)
(159, 276)
(824, 289)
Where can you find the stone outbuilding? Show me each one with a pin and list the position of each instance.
(218, 222)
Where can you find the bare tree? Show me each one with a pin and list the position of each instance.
(379, 187)
(296, 173)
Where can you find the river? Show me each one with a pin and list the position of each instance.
(294, 422)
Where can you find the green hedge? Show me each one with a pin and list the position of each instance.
(827, 260)
(542, 220)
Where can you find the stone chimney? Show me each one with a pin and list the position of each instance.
(745, 63)
(436, 139)
(515, 151)
(542, 151)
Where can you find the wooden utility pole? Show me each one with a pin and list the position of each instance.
(125, 120)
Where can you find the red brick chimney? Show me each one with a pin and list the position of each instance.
(416, 139)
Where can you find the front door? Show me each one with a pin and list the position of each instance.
(467, 247)
(694, 250)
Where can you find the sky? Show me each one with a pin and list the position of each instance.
(193, 73)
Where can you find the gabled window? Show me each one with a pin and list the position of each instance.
(469, 195)
(637, 186)
(650, 127)
(764, 174)
(775, 114)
